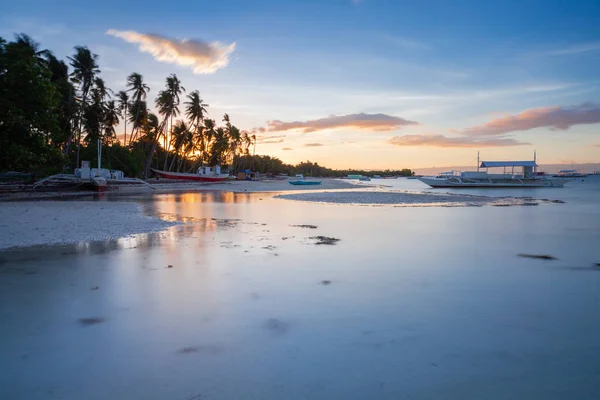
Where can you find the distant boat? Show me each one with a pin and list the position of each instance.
(204, 174)
(481, 179)
(570, 173)
(364, 178)
(302, 182)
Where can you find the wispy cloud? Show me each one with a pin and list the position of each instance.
(266, 139)
(554, 118)
(444, 141)
(314, 145)
(362, 121)
(287, 148)
(202, 57)
(575, 49)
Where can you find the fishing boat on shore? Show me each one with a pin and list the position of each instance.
(527, 178)
(203, 174)
(300, 181)
(87, 178)
(303, 182)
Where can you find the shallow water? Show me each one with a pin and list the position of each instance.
(419, 303)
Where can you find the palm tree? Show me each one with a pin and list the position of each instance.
(180, 137)
(135, 83)
(174, 89)
(111, 119)
(194, 111)
(85, 68)
(123, 98)
(209, 135)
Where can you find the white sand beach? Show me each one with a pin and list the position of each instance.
(25, 224)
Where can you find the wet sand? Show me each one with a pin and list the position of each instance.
(25, 224)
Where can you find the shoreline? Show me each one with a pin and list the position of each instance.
(168, 187)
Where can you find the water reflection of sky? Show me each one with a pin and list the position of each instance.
(422, 302)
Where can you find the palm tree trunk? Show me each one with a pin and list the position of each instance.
(125, 138)
(149, 158)
(173, 160)
(167, 143)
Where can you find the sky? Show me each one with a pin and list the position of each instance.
(358, 83)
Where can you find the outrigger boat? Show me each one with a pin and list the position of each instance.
(528, 178)
(204, 174)
(301, 182)
(570, 173)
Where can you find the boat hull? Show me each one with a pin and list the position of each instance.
(304, 183)
(188, 177)
(537, 183)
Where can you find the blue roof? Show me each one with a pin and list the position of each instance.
(492, 164)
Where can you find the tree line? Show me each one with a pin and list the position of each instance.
(53, 114)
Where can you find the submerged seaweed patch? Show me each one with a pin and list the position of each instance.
(325, 240)
(305, 226)
(90, 321)
(538, 256)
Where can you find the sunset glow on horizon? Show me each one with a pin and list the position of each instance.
(359, 84)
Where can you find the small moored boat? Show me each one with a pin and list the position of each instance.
(301, 182)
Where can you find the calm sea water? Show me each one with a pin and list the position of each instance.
(419, 303)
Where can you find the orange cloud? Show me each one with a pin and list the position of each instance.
(314, 145)
(270, 139)
(362, 121)
(202, 57)
(287, 148)
(554, 118)
(444, 141)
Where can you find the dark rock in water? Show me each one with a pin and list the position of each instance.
(538, 256)
(325, 282)
(530, 204)
(200, 349)
(597, 264)
(276, 326)
(90, 321)
(324, 240)
(305, 226)
(94, 288)
(557, 201)
(169, 266)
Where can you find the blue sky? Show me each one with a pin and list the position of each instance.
(454, 68)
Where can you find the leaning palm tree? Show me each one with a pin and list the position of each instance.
(123, 98)
(85, 69)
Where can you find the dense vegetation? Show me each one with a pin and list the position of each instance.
(54, 114)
